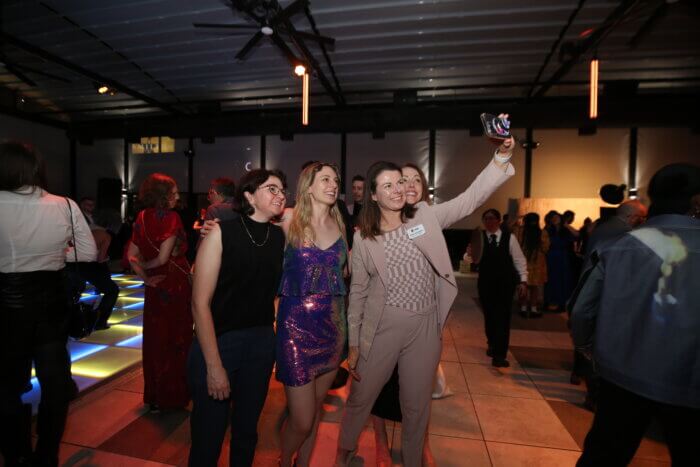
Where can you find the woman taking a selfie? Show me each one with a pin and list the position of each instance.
(402, 288)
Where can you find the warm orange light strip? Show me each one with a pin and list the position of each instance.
(305, 100)
(593, 107)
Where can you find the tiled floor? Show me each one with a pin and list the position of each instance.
(105, 353)
(526, 415)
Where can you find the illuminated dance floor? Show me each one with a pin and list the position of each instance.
(106, 353)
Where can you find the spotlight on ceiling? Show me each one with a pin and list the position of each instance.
(267, 30)
(104, 89)
(299, 70)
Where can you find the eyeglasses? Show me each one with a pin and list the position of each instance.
(274, 190)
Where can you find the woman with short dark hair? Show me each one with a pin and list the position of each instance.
(35, 231)
(157, 254)
(238, 271)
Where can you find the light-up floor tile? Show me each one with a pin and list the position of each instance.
(135, 321)
(107, 362)
(121, 315)
(113, 335)
(33, 397)
(80, 350)
(135, 293)
(130, 305)
(132, 342)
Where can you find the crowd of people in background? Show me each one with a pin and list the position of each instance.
(370, 282)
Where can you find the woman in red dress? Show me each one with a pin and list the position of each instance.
(157, 254)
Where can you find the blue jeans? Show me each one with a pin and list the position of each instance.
(247, 356)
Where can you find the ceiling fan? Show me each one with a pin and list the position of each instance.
(271, 20)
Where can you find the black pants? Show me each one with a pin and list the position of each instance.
(33, 316)
(247, 356)
(622, 418)
(99, 276)
(496, 302)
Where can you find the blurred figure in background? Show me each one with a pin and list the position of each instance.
(560, 274)
(535, 244)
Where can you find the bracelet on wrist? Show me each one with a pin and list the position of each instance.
(502, 159)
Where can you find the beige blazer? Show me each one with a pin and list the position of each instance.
(368, 282)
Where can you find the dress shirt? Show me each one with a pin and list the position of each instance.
(35, 231)
(516, 253)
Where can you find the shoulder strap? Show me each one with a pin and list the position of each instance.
(72, 231)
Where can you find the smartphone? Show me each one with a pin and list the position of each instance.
(495, 127)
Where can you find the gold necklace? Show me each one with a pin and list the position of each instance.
(267, 235)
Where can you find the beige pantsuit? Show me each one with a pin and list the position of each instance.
(386, 335)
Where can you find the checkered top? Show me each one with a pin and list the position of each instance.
(410, 276)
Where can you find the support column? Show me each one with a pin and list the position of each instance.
(73, 168)
(632, 166)
(126, 203)
(343, 160)
(528, 163)
(191, 199)
(263, 151)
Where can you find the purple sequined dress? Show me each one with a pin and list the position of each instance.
(311, 321)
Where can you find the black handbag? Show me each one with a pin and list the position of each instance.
(82, 317)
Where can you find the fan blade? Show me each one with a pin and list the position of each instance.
(225, 26)
(307, 35)
(291, 10)
(249, 45)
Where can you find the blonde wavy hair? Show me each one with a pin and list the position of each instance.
(300, 231)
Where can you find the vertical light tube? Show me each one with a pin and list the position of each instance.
(593, 105)
(305, 100)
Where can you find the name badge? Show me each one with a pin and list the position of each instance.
(416, 231)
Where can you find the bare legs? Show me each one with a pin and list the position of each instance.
(299, 433)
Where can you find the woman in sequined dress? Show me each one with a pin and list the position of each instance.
(311, 322)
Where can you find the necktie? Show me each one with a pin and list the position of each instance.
(493, 239)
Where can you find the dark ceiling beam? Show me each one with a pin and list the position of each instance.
(642, 111)
(366, 92)
(588, 43)
(110, 48)
(48, 56)
(651, 22)
(308, 56)
(555, 46)
(314, 28)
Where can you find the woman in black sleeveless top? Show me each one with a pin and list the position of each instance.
(238, 270)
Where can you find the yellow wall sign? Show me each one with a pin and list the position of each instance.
(154, 145)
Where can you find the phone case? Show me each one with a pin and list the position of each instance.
(494, 127)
